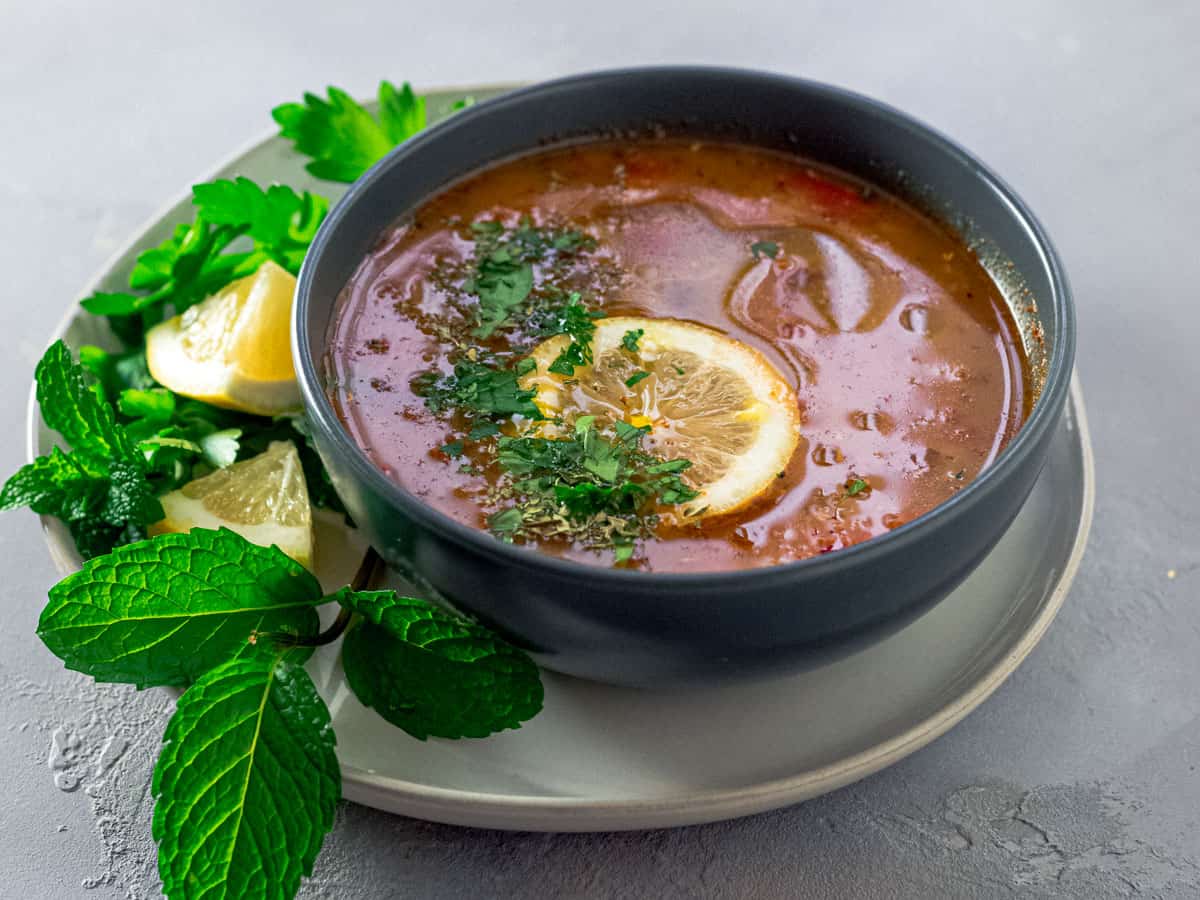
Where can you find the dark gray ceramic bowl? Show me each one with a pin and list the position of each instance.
(652, 629)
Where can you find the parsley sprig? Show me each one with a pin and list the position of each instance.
(198, 259)
(343, 138)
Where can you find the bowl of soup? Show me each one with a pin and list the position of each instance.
(683, 374)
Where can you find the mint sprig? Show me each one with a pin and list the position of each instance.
(247, 782)
(431, 673)
(101, 488)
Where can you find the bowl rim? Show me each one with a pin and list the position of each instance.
(1049, 403)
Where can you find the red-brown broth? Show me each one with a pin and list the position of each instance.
(906, 360)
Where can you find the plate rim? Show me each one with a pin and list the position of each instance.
(573, 813)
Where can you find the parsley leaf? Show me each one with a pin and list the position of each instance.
(629, 340)
(194, 601)
(433, 673)
(247, 782)
(502, 279)
(760, 249)
(502, 287)
(856, 487)
(341, 137)
(579, 323)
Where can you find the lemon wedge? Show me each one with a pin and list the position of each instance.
(706, 397)
(264, 499)
(232, 349)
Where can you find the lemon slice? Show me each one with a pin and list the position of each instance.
(706, 397)
(264, 499)
(233, 349)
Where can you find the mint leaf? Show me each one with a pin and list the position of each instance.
(247, 782)
(343, 139)
(50, 485)
(70, 407)
(101, 489)
(432, 673)
(164, 611)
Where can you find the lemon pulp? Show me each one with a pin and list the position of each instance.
(264, 499)
(233, 349)
(706, 398)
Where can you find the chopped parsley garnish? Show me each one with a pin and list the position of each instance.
(764, 248)
(599, 490)
(856, 487)
(630, 339)
(476, 388)
(636, 377)
(574, 320)
(483, 430)
(454, 449)
(502, 272)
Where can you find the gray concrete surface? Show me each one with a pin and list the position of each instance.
(1078, 779)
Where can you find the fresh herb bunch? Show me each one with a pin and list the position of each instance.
(198, 260)
(105, 488)
(229, 621)
(232, 623)
(599, 490)
(131, 440)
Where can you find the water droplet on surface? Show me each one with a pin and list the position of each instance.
(790, 331)
(915, 318)
(826, 455)
(872, 420)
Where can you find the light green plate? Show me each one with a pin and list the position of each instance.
(601, 758)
